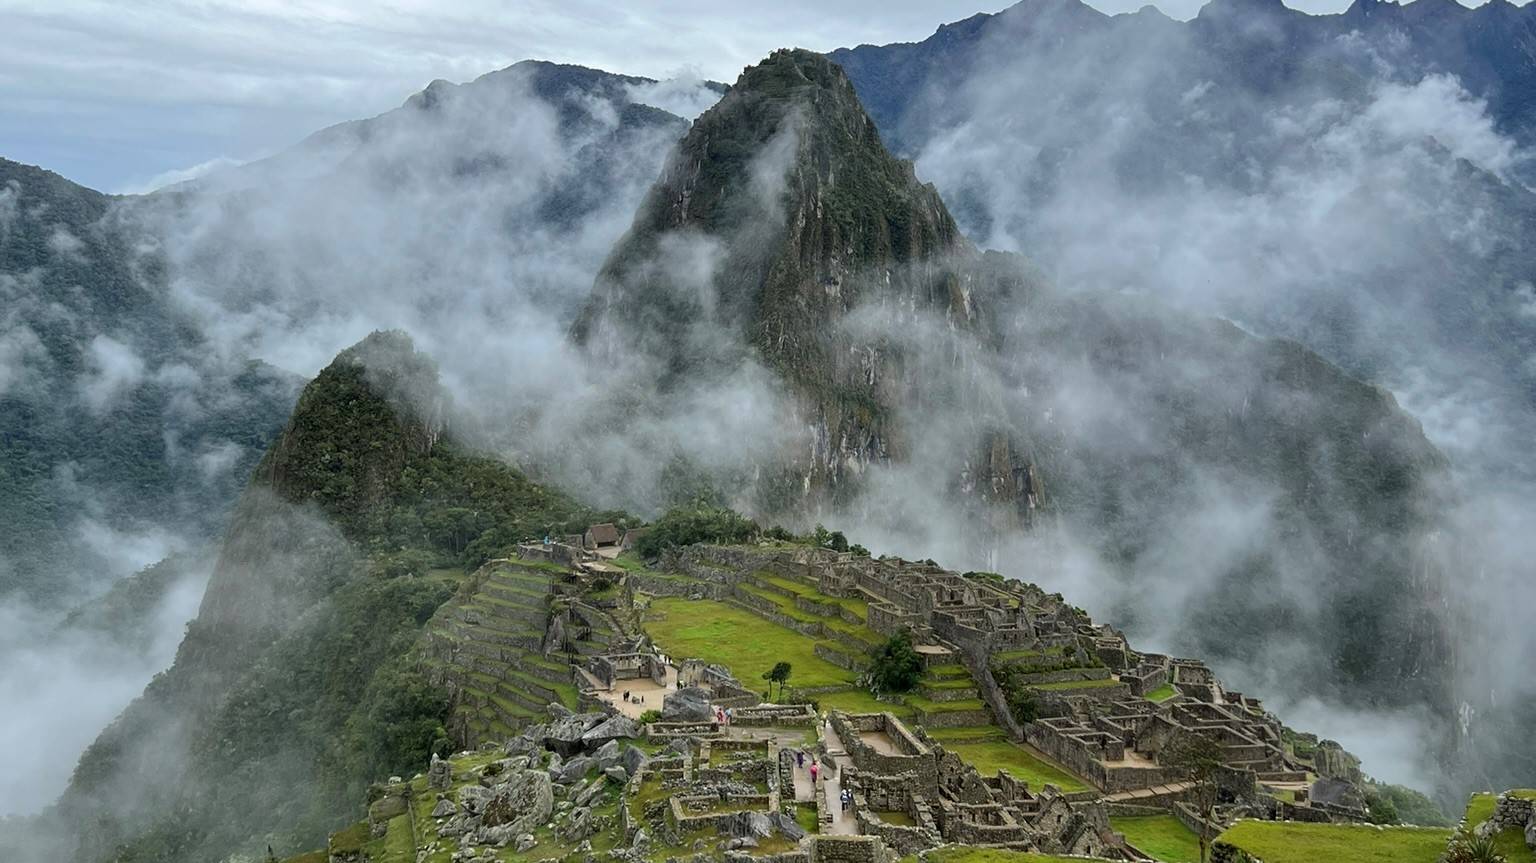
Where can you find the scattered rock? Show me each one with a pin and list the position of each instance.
(444, 808)
(617, 774)
(607, 755)
(525, 842)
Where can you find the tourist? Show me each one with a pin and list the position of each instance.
(800, 758)
(814, 771)
(626, 696)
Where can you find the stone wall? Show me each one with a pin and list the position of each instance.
(1512, 812)
(839, 658)
(848, 849)
(661, 585)
(922, 763)
(775, 715)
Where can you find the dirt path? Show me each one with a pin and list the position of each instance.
(843, 822)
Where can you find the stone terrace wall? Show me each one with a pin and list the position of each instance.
(849, 849)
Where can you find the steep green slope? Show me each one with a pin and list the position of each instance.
(297, 684)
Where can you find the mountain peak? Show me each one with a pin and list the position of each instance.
(788, 187)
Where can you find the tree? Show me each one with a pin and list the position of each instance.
(1200, 759)
(778, 674)
(689, 525)
(896, 666)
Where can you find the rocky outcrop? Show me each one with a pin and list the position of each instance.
(689, 704)
(802, 223)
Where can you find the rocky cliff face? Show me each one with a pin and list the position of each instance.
(782, 230)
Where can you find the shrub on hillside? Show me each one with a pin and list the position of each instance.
(897, 667)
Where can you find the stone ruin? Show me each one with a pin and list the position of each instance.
(937, 798)
(1108, 733)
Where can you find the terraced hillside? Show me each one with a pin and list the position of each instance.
(764, 615)
(510, 644)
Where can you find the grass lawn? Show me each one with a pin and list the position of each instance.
(1285, 842)
(993, 755)
(1510, 843)
(1163, 836)
(743, 642)
(1162, 693)
(958, 854)
(858, 701)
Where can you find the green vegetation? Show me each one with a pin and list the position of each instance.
(1023, 762)
(84, 293)
(778, 674)
(1291, 842)
(896, 667)
(1162, 693)
(690, 525)
(1163, 836)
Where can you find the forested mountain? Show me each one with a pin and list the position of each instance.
(118, 426)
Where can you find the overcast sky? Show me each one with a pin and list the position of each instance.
(123, 96)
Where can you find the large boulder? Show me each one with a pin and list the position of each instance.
(787, 826)
(753, 825)
(563, 735)
(689, 704)
(607, 755)
(576, 769)
(613, 728)
(632, 760)
(518, 805)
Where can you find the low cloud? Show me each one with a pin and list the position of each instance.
(113, 370)
(178, 175)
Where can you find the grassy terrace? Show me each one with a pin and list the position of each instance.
(738, 639)
(1163, 836)
(1290, 842)
(799, 588)
(1162, 693)
(1510, 843)
(1023, 762)
(786, 606)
